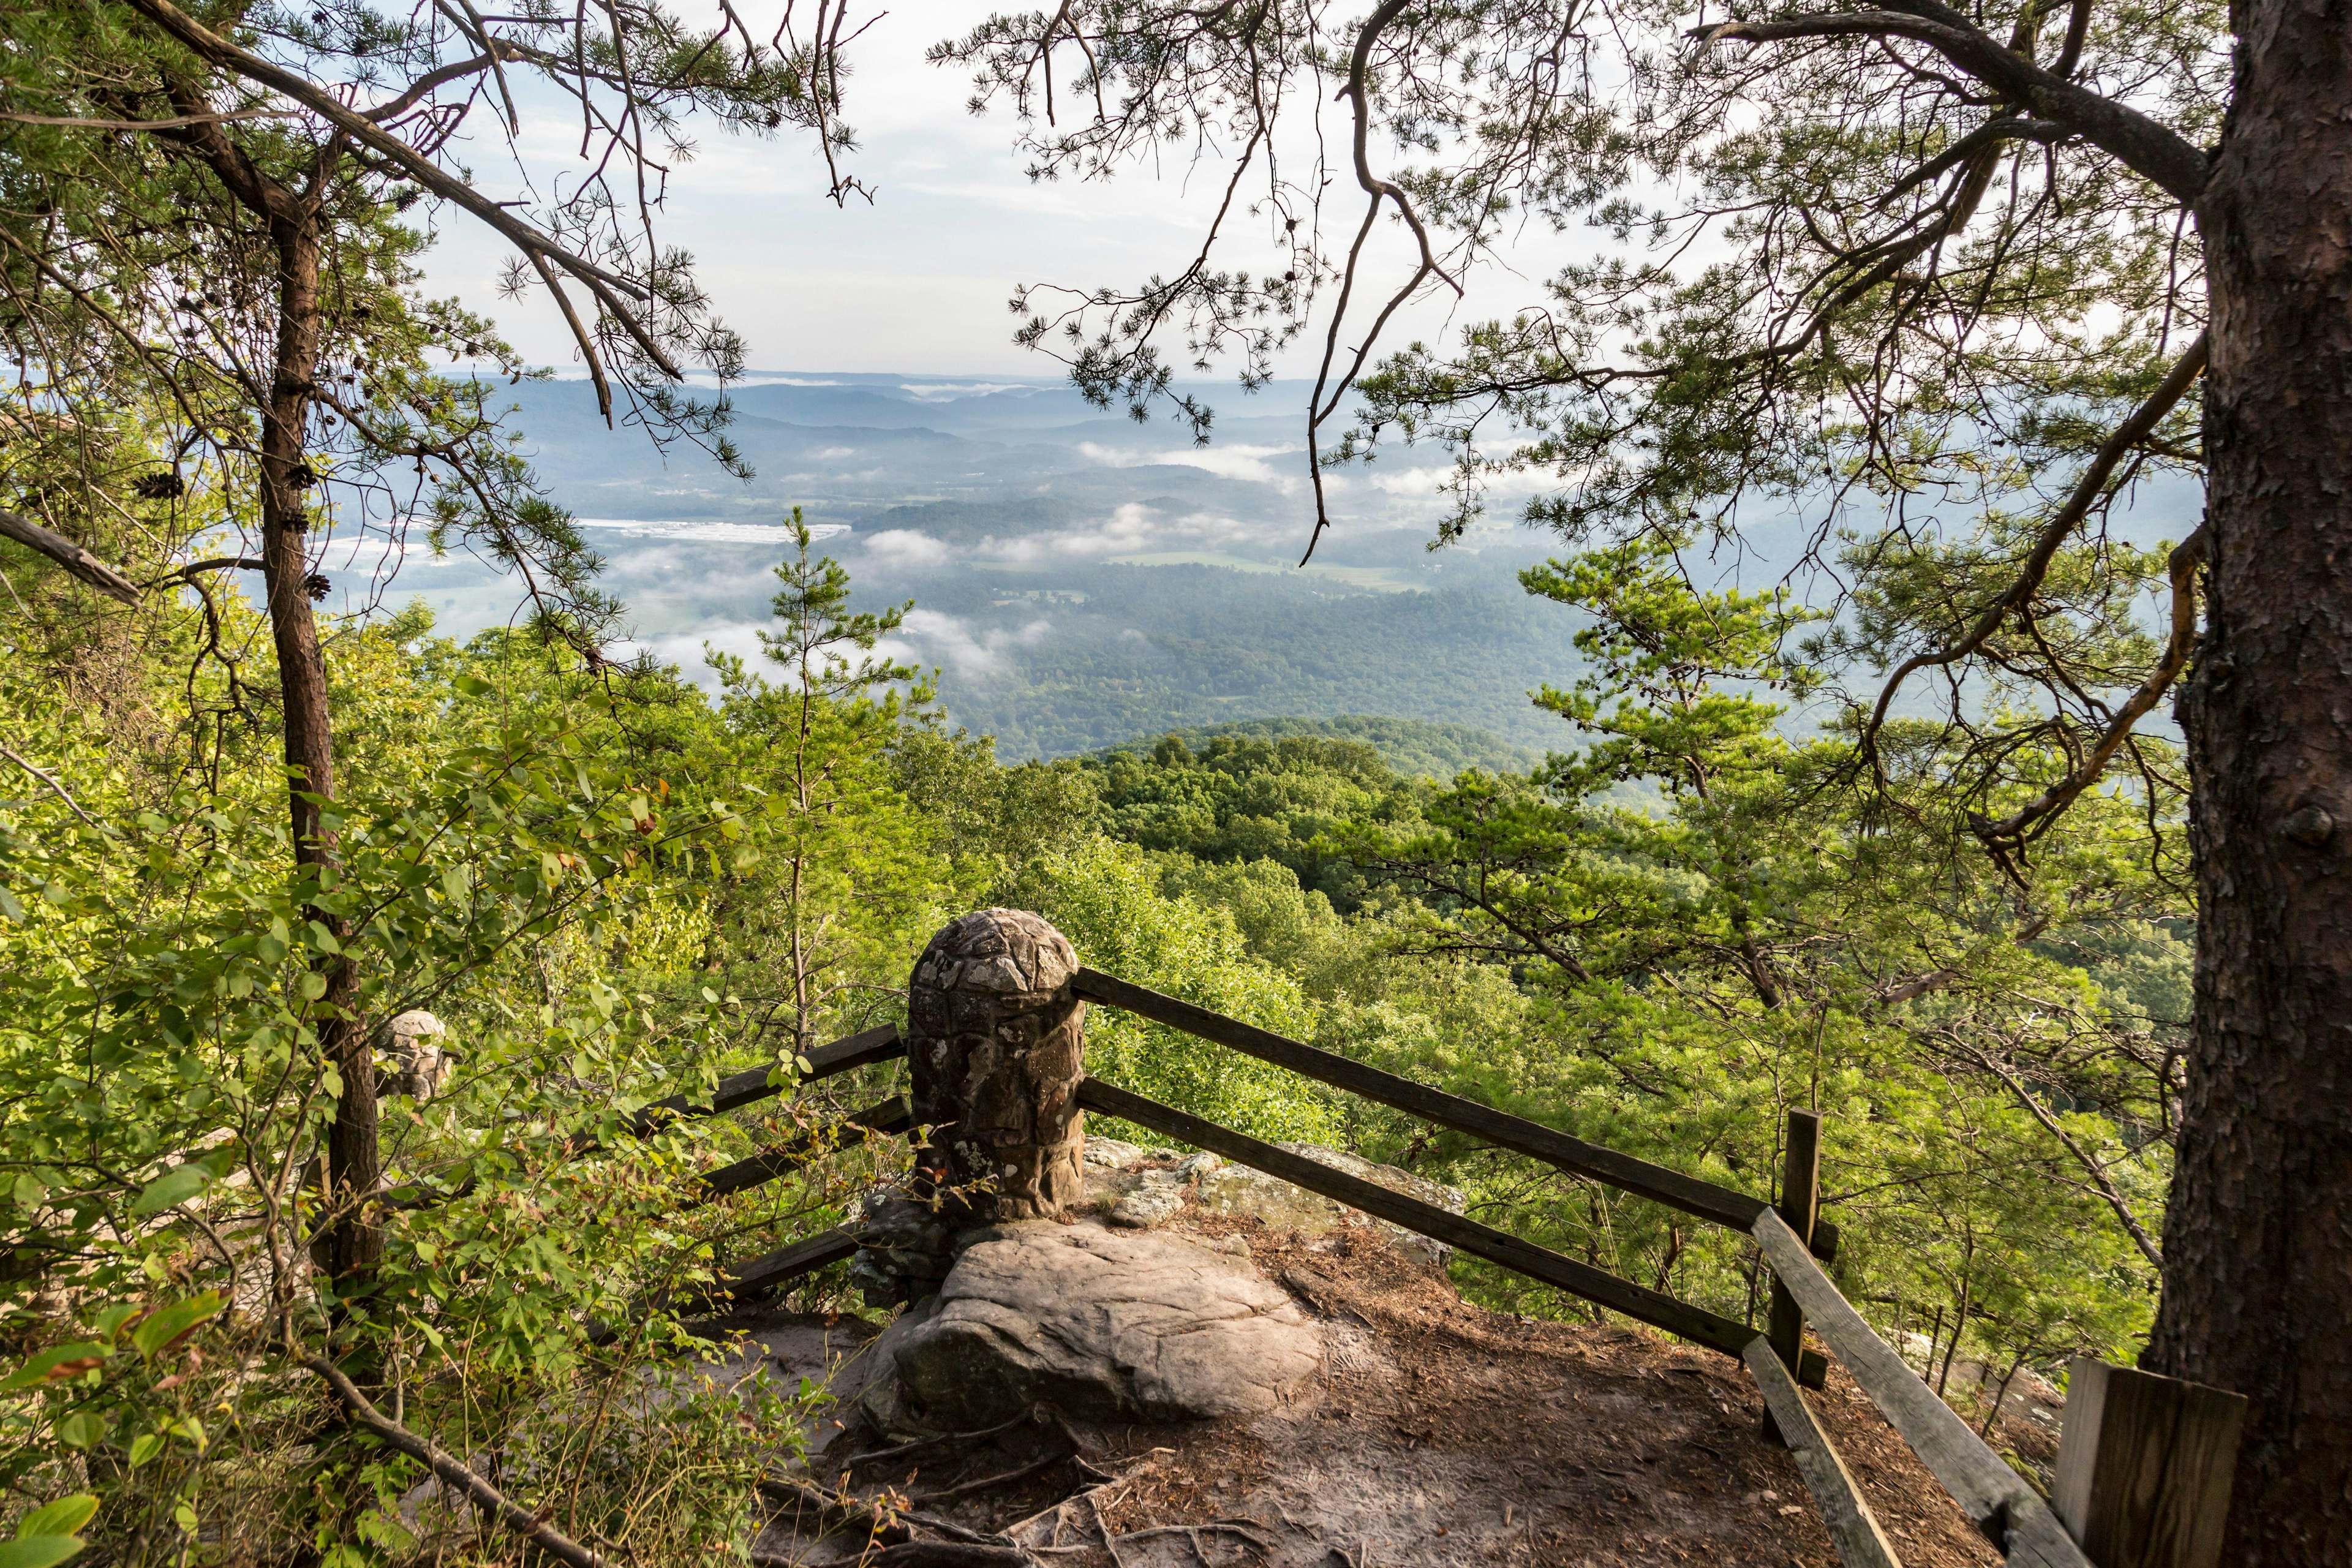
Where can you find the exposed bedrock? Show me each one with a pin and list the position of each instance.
(1098, 1325)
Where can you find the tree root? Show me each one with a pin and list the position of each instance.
(1019, 1472)
(943, 1439)
(1252, 1533)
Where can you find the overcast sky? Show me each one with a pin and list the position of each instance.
(917, 282)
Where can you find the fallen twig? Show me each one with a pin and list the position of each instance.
(485, 1496)
(817, 1498)
(1252, 1533)
(920, 1444)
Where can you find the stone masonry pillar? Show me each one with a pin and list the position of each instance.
(995, 1041)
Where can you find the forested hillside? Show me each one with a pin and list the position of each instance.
(611, 887)
(1415, 747)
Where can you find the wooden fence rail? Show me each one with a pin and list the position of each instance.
(887, 1120)
(1853, 1529)
(1733, 1210)
(1995, 1497)
(1988, 1493)
(748, 1088)
(1663, 1311)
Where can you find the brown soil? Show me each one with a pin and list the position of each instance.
(1439, 1433)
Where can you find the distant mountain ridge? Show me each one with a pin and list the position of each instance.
(1417, 748)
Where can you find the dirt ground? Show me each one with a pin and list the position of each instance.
(1436, 1433)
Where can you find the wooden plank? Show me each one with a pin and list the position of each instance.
(2145, 1466)
(880, 1045)
(760, 1276)
(764, 1273)
(1425, 1219)
(1639, 1177)
(742, 1089)
(1801, 1195)
(892, 1117)
(1995, 1497)
(1853, 1529)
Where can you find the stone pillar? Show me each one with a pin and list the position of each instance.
(995, 1042)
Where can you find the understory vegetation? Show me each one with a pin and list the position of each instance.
(609, 887)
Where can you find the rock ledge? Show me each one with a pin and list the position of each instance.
(1099, 1325)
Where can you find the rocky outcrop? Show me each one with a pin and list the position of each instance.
(1133, 1186)
(1098, 1325)
(412, 1056)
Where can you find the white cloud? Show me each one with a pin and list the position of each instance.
(1130, 527)
(1226, 462)
(906, 547)
(1408, 481)
(687, 650)
(712, 528)
(934, 637)
(943, 391)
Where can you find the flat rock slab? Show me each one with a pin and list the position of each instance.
(1140, 1187)
(1099, 1325)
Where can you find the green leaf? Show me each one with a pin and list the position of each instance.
(64, 1516)
(38, 1551)
(28, 1191)
(174, 1186)
(80, 1430)
(9, 906)
(166, 1326)
(313, 986)
(57, 1362)
(472, 685)
(144, 1447)
(110, 1322)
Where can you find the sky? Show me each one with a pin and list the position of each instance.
(916, 281)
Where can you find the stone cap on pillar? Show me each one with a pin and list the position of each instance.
(1009, 953)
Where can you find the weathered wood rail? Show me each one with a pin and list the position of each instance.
(1794, 1240)
(1704, 1200)
(1693, 1323)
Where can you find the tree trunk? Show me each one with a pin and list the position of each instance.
(2258, 1239)
(354, 1239)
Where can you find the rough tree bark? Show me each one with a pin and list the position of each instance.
(354, 1241)
(2258, 1240)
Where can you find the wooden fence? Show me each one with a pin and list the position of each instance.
(1791, 1237)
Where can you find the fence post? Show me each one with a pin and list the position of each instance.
(1800, 1200)
(996, 1042)
(2144, 1465)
